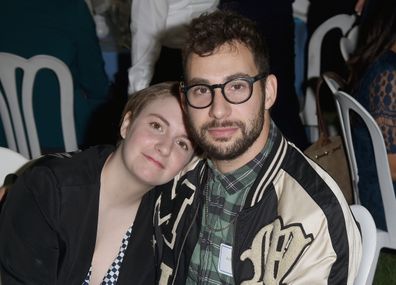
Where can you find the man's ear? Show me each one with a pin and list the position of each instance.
(271, 87)
(126, 122)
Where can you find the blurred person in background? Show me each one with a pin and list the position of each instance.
(372, 82)
(64, 29)
(158, 32)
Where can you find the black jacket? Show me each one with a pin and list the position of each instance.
(49, 221)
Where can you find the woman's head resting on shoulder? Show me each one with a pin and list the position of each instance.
(155, 145)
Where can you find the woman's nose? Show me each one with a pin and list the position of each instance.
(164, 146)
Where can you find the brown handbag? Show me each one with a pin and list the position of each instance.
(329, 153)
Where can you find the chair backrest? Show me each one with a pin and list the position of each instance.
(331, 82)
(342, 22)
(300, 9)
(345, 104)
(10, 162)
(18, 121)
(369, 241)
(348, 42)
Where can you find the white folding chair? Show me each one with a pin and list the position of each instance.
(345, 104)
(18, 121)
(333, 85)
(10, 162)
(348, 43)
(369, 242)
(342, 22)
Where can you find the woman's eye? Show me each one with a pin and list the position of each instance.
(183, 145)
(156, 126)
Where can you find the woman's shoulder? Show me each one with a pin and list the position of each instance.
(55, 177)
(71, 167)
(386, 62)
(382, 71)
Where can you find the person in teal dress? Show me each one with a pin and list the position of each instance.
(64, 29)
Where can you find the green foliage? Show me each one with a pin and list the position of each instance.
(386, 268)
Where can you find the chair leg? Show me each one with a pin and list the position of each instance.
(373, 267)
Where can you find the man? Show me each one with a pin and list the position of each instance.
(256, 211)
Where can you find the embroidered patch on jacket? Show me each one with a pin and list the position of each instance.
(281, 246)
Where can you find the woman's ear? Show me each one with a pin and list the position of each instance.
(271, 87)
(126, 122)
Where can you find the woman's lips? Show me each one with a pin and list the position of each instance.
(156, 162)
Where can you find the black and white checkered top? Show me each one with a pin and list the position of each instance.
(112, 274)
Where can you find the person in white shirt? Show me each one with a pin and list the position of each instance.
(157, 23)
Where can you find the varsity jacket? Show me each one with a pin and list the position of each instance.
(49, 220)
(295, 226)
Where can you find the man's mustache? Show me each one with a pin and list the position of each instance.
(223, 124)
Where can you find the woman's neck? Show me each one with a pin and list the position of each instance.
(118, 187)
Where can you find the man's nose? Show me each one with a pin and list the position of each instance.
(220, 107)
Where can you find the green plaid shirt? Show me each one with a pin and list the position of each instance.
(225, 196)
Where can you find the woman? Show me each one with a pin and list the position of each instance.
(87, 219)
(373, 83)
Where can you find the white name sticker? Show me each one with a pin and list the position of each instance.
(225, 260)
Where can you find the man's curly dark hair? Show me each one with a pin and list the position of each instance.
(208, 32)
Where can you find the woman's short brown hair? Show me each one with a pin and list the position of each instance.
(140, 99)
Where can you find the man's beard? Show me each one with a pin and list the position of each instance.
(240, 146)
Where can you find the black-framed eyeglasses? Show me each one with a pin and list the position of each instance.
(235, 91)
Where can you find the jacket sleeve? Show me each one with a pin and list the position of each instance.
(29, 247)
(333, 251)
